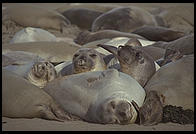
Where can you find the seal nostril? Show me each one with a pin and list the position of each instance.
(122, 114)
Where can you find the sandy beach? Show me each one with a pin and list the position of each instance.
(36, 124)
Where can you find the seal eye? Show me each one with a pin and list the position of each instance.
(93, 55)
(119, 47)
(76, 55)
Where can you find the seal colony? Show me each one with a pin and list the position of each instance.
(106, 73)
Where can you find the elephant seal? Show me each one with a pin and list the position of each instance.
(84, 60)
(37, 73)
(52, 51)
(124, 19)
(157, 33)
(86, 36)
(37, 17)
(133, 61)
(99, 96)
(19, 57)
(170, 56)
(172, 84)
(21, 99)
(30, 34)
(75, 15)
(185, 44)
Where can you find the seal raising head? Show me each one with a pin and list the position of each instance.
(87, 59)
(133, 61)
(41, 73)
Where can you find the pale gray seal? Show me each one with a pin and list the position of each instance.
(30, 34)
(124, 19)
(99, 96)
(84, 60)
(52, 51)
(133, 61)
(37, 73)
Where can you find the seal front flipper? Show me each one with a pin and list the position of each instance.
(151, 111)
(53, 112)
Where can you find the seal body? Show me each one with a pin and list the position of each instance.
(75, 15)
(185, 44)
(133, 61)
(86, 36)
(37, 17)
(31, 34)
(172, 84)
(157, 33)
(99, 96)
(126, 19)
(53, 51)
(38, 73)
(21, 99)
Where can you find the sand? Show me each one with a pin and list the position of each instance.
(9, 124)
(45, 125)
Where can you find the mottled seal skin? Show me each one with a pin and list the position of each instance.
(99, 96)
(170, 56)
(21, 99)
(124, 19)
(37, 17)
(82, 17)
(41, 73)
(86, 36)
(157, 33)
(87, 59)
(184, 44)
(133, 61)
(172, 84)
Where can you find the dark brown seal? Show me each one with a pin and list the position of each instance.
(124, 19)
(86, 36)
(133, 61)
(157, 33)
(82, 17)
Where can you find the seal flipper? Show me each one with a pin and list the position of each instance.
(111, 49)
(151, 111)
(53, 112)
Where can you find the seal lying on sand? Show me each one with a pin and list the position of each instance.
(30, 34)
(157, 33)
(75, 15)
(172, 84)
(184, 44)
(54, 51)
(37, 17)
(86, 36)
(124, 19)
(19, 57)
(21, 99)
(170, 56)
(99, 96)
(84, 60)
(38, 73)
(133, 61)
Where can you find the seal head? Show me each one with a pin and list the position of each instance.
(41, 73)
(87, 59)
(133, 61)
